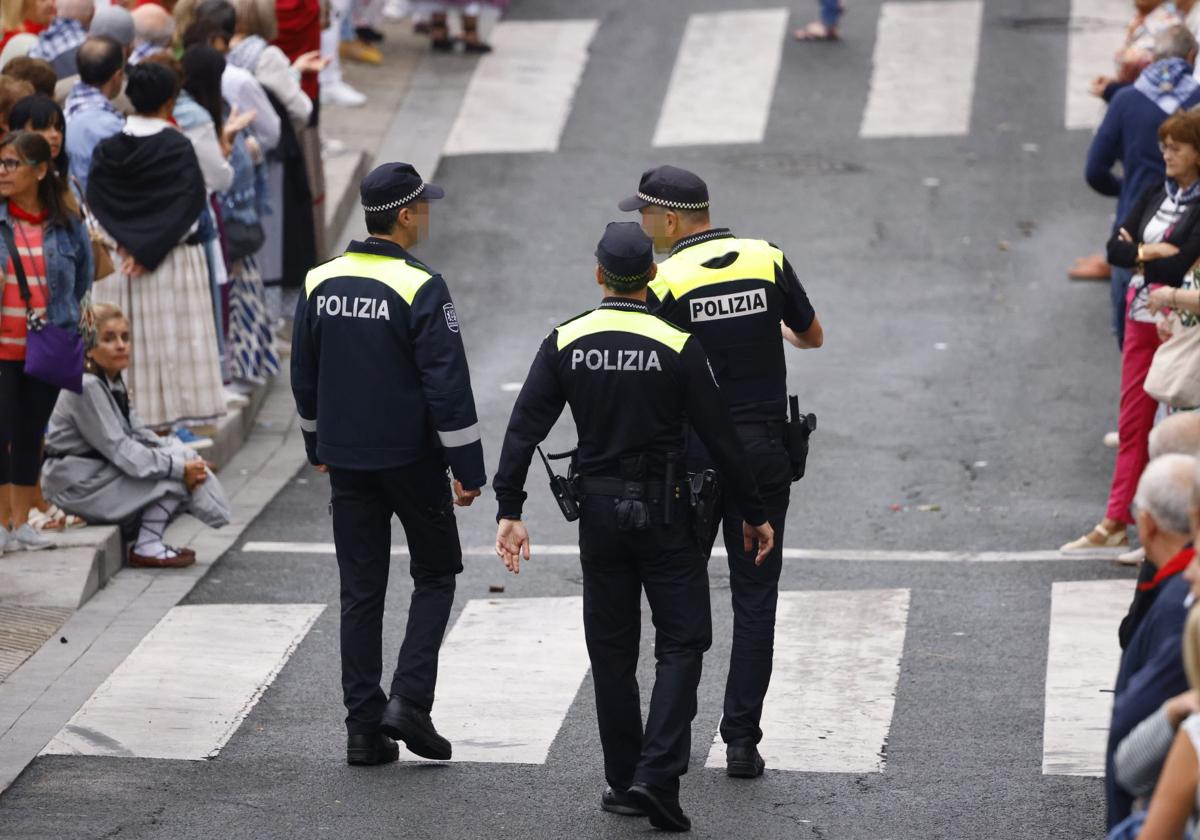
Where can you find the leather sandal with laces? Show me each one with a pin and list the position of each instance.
(1098, 537)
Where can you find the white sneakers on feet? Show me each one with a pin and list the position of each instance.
(24, 538)
(340, 93)
(1132, 558)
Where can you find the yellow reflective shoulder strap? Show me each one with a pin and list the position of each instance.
(615, 320)
(685, 272)
(399, 276)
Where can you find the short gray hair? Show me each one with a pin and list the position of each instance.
(1174, 42)
(1179, 433)
(1165, 491)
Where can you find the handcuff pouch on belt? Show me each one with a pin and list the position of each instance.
(633, 514)
(799, 428)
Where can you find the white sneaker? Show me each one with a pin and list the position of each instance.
(1132, 558)
(26, 538)
(340, 93)
(235, 399)
(5, 539)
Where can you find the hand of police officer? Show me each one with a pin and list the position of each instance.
(512, 543)
(463, 498)
(763, 534)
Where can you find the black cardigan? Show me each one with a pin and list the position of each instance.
(1185, 235)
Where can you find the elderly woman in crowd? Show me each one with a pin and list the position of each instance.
(146, 190)
(101, 461)
(55, 255)
(1160, 240)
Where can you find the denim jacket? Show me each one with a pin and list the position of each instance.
(69, 269)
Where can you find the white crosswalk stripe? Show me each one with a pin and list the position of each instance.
(1097, 30)
(838, 658)
(724, 79)
(917, 91)
(833, 687)
(187, 687)
(1081, 668)
(520, 96)
(528, 651)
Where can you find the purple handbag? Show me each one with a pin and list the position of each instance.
(53, 354)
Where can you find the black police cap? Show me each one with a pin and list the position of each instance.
(394, 185)
(670, 187)
(625, 250)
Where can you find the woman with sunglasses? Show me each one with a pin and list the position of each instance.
(55, 252)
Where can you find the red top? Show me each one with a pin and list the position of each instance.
(28, 26)
(299, 32)
(27, 231)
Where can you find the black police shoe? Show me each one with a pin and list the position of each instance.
(742, 759)
(368, 750)
(405, 722)
(664, 812)
(617, 801)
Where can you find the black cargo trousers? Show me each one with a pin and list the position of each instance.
(363, 503)
(666, 562)
(754, 590)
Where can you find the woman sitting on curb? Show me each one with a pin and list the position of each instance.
(104, 465)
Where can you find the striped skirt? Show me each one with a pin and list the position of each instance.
(175, 368)
(252, 355)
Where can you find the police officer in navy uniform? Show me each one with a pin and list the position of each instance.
(384, 396)
(630, 378)
(733, 294)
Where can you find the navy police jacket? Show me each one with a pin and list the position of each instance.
(379, 372)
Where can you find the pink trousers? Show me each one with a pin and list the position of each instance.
(1135, 419)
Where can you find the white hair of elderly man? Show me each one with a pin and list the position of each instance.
(1164, 506)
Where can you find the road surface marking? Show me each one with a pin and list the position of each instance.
(918, 90)
(1081, 668)
(1097, 31)
(724, 79)
(833, 688)
(507, 676)
(520, 96)
(188, 685)
(837, 555)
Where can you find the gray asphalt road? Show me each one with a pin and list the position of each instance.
(1027, 383)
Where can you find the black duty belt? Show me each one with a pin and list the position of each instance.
(650, 491)
(760, 429)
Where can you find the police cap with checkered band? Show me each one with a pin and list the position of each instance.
(669, 187)
(394, 185)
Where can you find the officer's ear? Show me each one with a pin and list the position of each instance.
(653, 270)
(404, 218)
(599, 276)
(671, 222)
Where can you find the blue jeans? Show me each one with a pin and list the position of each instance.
(1119, 284)
(831, 12)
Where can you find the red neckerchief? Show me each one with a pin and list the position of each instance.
(25, 216)
(1172, 567)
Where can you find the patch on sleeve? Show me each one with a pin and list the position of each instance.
(451, 317)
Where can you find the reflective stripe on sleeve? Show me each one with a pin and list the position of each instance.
(308, 425)
(459, 437)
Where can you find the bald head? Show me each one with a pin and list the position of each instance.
(80, 10)
(152, 24)
(1165, 492)
(1178, 433)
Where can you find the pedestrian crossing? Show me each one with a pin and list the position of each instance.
(921, 82)
(189, 685)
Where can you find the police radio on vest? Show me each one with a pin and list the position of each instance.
(357, 307)
(615, 359)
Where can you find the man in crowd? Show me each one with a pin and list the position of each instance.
(91, 116)
(59, 42)
(1151, 669)
(153, 29)
(1129, 134)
